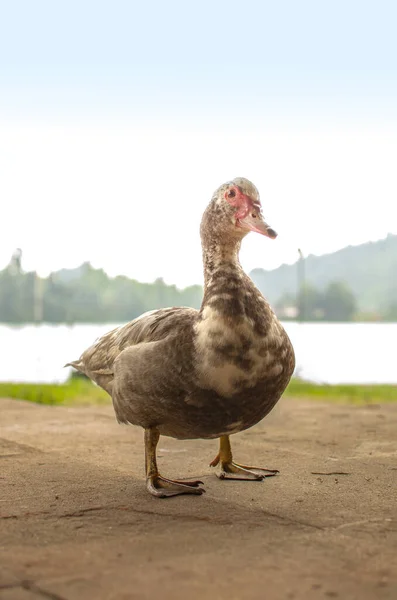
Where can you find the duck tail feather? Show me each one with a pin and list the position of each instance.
(76, 364)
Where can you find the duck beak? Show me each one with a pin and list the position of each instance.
(255, 222)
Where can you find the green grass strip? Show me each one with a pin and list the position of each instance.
(346, 394)
(76, 391)
(79, 391)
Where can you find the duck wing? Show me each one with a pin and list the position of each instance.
(97, 362)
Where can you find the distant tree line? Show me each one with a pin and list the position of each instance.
(335, 303)
(89, 295)
(84, 295)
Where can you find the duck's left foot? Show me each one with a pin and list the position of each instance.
(161, 487)
(232, 470)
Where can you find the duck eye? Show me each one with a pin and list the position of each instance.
(231, 193)
(253, 215)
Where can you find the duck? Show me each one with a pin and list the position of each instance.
(201, 374)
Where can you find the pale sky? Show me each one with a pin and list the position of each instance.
(119, 119)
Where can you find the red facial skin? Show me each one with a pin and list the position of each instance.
(249, 212)
(235, 197)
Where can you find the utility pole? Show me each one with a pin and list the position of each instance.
(15, 267)
(301, 286)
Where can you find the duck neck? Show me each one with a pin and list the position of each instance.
(220, 257)
(223, 278)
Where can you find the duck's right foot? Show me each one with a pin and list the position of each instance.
(160, 487)
(232, 470)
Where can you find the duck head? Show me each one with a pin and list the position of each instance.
(235, 210)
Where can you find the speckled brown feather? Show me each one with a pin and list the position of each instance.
(199, 374)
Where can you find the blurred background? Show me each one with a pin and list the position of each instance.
(119, 119)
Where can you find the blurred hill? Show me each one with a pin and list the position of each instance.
(369, 270)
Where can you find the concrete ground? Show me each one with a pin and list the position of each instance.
(77, 523)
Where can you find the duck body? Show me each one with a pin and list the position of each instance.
(205, 373)
(197, 374)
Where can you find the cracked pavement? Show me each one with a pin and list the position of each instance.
(76, 521)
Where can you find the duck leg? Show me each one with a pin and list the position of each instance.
(156, 484)
(232, 470)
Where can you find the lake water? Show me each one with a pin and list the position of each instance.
(325, 352)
